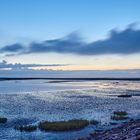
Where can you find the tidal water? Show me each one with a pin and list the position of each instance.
(31, 101)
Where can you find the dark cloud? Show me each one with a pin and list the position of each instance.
(4, 65)
(12, 48)
(119, 42)
(69, 44)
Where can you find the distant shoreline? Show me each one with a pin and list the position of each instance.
(84, 79)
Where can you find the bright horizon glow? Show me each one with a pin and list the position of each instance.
(80, 63)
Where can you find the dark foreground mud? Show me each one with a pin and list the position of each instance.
(126, 131)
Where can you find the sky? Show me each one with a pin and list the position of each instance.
(69, 35)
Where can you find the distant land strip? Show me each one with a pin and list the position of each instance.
(73, 79)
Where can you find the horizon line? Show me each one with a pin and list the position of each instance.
(61, 78)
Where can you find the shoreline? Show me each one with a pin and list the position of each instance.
(124, 131)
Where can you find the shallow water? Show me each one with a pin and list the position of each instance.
(31, 101)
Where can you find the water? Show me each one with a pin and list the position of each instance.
(31, 101)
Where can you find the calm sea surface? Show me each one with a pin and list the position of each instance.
(31, 101)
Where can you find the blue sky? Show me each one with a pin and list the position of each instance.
(27, 21)
(45, 19)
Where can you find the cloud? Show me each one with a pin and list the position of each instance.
(5, 65)
(12, 48)
(126, 41)
(68, 44)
